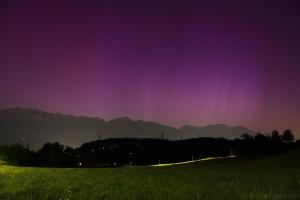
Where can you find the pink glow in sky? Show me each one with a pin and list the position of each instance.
(201, 63)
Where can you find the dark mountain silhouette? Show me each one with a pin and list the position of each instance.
(37, 127)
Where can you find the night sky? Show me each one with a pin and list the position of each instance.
(231, 62)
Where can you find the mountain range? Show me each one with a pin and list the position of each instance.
(38, 127)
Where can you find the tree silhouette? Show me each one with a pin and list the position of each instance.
(51, 154)
(275, 136)
(15, 154)
(134, 151)
(288, 136)
(260, 137)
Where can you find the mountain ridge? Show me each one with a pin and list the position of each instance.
(39, 127)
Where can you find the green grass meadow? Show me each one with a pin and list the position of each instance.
(276, 177)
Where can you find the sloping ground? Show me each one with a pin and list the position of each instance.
(276, 177)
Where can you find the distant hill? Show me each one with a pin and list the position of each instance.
(38, 127)
(218, 130)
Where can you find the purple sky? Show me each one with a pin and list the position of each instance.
(236, 63)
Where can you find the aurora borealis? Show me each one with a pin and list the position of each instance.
(205, 62)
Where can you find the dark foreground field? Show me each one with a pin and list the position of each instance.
(276, 177)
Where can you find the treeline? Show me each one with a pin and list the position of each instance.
(133, 151)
